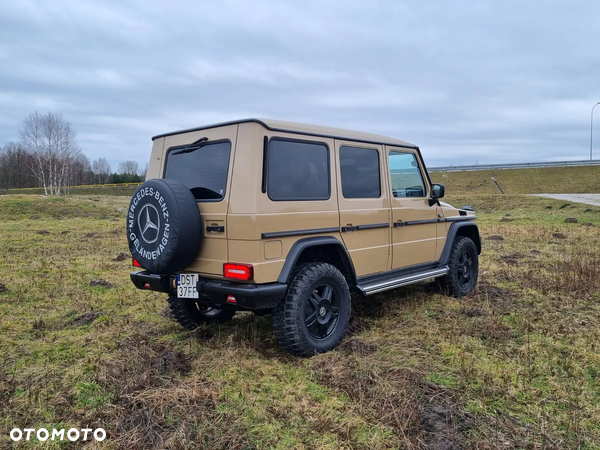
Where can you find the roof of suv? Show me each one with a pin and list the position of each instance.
(312, 130)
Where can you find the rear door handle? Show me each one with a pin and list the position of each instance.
(350, 228)
(218, 229)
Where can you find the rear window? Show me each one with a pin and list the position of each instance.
(297, 170)
(203, 171)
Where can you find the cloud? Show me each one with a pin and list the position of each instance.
(496, 81)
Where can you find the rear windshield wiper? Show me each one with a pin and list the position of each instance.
(192, 147)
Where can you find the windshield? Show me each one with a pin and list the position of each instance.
(203, 170)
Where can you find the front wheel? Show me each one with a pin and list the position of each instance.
(190, 315)
(314, 315)
(464, 268)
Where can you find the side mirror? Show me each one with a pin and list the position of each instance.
(438, 191)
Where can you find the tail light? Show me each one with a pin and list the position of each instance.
(135, 263)
(238, 271)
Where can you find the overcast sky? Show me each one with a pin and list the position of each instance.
(469, 82)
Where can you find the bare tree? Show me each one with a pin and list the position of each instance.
(101, 168)
(81, 171)
(14, 167)
(52, 140)
(144, 172)
(129, 168)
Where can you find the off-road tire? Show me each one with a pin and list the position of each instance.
(315, 288)
(164, 227)
(190, 315)
(464, 268)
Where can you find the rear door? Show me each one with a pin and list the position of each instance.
(299, 193)
(414, 232)
(206, 170)
(364, 205)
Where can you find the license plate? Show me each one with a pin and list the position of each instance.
(186, 285)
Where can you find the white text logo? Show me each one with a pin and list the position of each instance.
(72, 434)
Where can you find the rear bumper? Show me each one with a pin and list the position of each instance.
(215, 292)
(151, 281)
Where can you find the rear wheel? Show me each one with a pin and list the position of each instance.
(464, 268)
(313, 316)
(190, 315)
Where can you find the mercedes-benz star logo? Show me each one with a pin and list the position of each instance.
(149, 223)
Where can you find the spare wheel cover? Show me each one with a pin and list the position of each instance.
(163, 226)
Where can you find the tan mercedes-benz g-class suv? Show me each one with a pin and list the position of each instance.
(288, 219)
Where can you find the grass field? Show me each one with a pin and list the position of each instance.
(514, 365)
(549, 180)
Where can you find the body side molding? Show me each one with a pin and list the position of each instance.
(279, 234)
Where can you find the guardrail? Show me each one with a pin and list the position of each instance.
(595, 162)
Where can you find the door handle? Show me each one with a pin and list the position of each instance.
(215, 229)
(350, 228)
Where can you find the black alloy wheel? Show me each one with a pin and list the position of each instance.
(313, 316)
(321, 312)
(463, 268)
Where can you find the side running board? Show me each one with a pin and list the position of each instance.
(385, 284)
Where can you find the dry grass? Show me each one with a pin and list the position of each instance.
(514, 365)
(552, 180)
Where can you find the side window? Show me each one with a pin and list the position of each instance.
(406, 176)
(297, 170)
(360, 172)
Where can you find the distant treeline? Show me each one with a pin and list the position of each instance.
(16, 171)
(49, 157)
